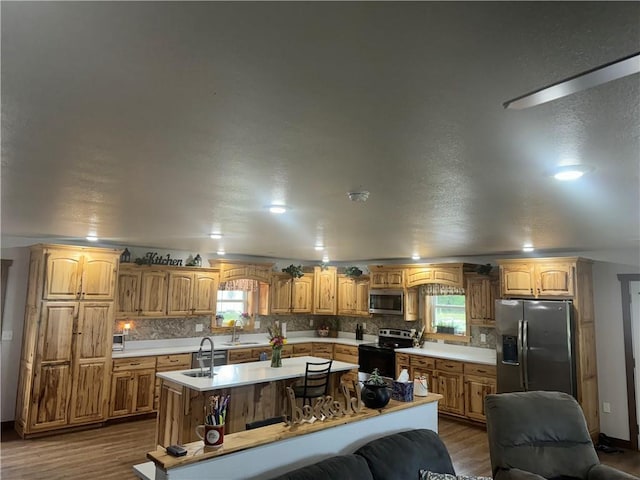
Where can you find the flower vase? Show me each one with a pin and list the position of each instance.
(276, 357)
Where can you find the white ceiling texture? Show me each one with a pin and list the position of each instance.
(157, 123)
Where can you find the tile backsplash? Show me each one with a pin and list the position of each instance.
(185, 327)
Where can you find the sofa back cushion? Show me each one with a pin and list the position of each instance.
(340, 467)
(401, 456)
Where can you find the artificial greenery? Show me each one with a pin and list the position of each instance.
(294, 271)
(375, 379)
(353, 272)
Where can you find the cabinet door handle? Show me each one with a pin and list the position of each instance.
(531, 290)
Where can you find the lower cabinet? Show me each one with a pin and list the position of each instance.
(132, 386)
(168, 363)
(463, 386)
(322, 350)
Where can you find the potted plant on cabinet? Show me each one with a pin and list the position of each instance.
(375, 391)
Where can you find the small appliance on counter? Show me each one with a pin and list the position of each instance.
(118, 342)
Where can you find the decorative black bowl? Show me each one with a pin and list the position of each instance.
(375, 396)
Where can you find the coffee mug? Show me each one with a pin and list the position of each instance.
(212, 435)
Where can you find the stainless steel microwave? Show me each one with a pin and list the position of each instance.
(388, 302)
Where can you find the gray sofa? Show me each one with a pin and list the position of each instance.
(542, 435)
(399, 456)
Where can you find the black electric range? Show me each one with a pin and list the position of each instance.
(382, 355)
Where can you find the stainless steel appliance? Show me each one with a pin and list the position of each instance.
(219, 358)
(390, 302)
(382, 355)
(535, 348)
(118, 342)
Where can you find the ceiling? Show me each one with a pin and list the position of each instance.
(156, 123)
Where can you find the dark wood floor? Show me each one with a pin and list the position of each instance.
(109, 453)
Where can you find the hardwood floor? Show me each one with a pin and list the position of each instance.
(110, 452)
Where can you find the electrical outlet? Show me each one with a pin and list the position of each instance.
(199, 327)
(311, 322)
(606, 407)
(256, 324)
(364, 325)
(7, 335)
(483, 338)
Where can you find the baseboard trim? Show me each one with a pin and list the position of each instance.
(8, 425)
(616, 442)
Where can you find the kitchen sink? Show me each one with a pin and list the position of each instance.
(199, 373)
(240, 343)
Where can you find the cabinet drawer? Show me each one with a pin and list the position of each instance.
(302, 349)
(449, 366)
(423, 362)
(324, 348)
(287, 351)
(180, 361)
(240, 356)
(402, 358)
(255, 352)
(480, 370)
(345, 350)
(133, 363)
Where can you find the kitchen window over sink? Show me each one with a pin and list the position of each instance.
(237, 301)
(445, 312)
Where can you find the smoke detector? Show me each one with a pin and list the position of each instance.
(358, 196)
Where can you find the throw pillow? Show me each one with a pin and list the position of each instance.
(429, 475)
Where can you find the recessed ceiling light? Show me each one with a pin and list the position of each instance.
(527, 247)
(415, 256)
(570, 172)
(325, 259)
(319, 247)
(92, 238)
(277, 209)
(220, 252)
(360, 196)
(216, 236)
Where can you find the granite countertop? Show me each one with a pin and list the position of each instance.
(189, 345)
(228, 376)
(484, 356)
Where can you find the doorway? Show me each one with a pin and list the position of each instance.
(630, 290)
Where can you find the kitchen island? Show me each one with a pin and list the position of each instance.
(257, 392)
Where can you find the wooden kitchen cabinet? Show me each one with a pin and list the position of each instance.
(240, 355)
(66, 350)
(192, 292)
(302, 349)
(325, 284)
(291, 295)
(411, 304)
(322, 350)
(133, 384)
(168, 363)
(75, 273)
(479, 381)
(481, 293)
(542, 277)
(446, 274)
(384, 277)
(353, 296)
(142, 291)
(345, 353)
(234, 270)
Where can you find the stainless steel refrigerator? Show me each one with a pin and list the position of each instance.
(534, 347)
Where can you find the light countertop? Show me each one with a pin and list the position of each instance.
(189, 345)
(484, 356)
(236, 375)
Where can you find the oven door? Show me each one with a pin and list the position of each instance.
(384, 359)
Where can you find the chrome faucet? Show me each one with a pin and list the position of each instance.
(200, 354)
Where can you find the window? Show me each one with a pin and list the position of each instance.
(446, 315)
(231, 305)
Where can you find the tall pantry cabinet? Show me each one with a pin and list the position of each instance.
(66, 345)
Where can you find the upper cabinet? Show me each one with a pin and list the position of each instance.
(79, 274)
(386, 277)
(170, 291)
(480, 293)
(450, 274)
(353, 296)
(542, 277)
(411, 304)
(325, 285)
(291, 295)
(240, 270)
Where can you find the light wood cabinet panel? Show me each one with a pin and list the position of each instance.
(51, 400)
(402, 362)
(241, 355)
(554, 279)
(362, 297)
(260, 272)
(281, 294)
(99, 275)
(291, 295)
(517, 279)
(302, 295)
(451, 387)
(480, 294)
(167, 363)
(381, 277)
(128, 294)
(345, 353)
(322, 350)
(476, 389)
(132, 392)
(411, 303)
(547, 278)
(180, 293)
(192, 292)
(324, 287)
(121, 394)
(264, 305)
(302, 349)
(153, 293)
(443, 274)
(353, 296)
(171, 416)
(205, 293)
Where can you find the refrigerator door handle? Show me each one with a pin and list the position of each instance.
(525, 349)
(520, 356)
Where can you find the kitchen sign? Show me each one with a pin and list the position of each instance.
(152, 258)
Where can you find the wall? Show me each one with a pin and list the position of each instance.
(12, 322)
(612, 387)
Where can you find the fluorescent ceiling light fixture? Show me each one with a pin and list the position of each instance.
(570, 172)
(220, 252)
(92, 238)
(319, 247)
(591, 78)
(216, 236)
(415, 256)
(277, 209)
(527, 247)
